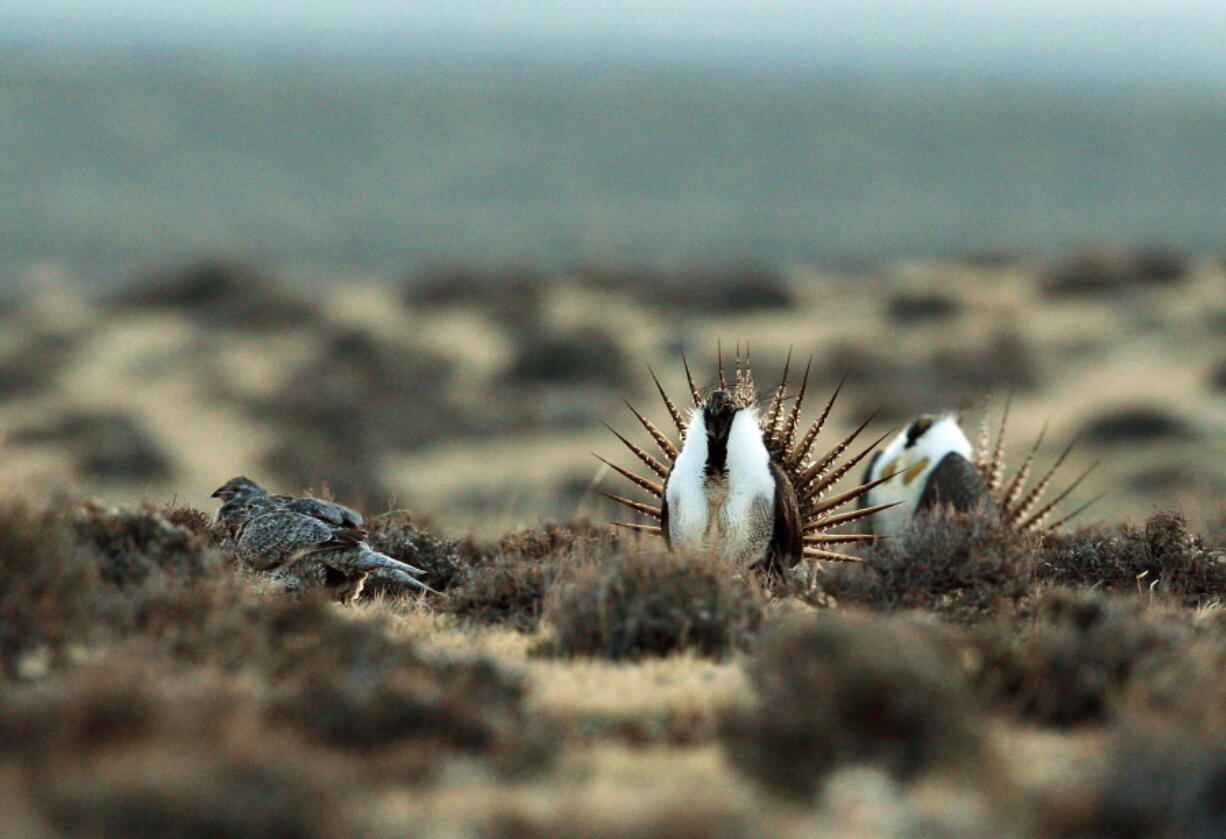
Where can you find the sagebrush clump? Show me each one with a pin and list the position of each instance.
(48, 584)
(1162, 559)
(843, 687)
(967, 566)
(633, 605)
(507, 583)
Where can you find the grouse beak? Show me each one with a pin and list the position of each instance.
(219, 493)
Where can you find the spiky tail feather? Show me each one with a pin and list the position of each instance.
(1021, 508)
(811, 480)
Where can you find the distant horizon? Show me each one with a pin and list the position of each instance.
(1103, 41)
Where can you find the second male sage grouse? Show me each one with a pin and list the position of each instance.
(743, 482)
(931, 464)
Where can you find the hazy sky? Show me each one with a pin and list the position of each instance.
(1168, 37)
(1123, 39)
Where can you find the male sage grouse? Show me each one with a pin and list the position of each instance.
(932, 464)
(742, 483)
(304, 542)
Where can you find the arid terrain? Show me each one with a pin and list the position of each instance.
(568, 680)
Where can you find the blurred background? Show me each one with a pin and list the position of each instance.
(415, 253)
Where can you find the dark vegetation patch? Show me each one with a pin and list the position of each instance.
(220, 294)
(903, 385)
(846, 687)
(106, 445)
(348, 685)
(1164, 480)
(1107, 272)
(400, 537)
(116, 750)
(700, 815)
(514, 297)
(1004, 362)
(1137, 424)
(729, 289)
(46, 583)
(966, 566)
(918, 308)
(132, 544)
(633, 606)
(357, 399)
(1072, 663)
(29, 367)
(588, 356)
(1217, 377)
(1150, 782)
(507, 583)
(1163, 558)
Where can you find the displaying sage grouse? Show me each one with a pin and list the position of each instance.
(742, 482)
(304, 542)
(931, 464)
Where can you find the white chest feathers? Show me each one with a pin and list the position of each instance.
(729, 512)
(912, 466)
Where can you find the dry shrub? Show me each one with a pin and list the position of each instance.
(125, 750)
(1140, 423)
(692, 817)
(340, 412)
(349, 685)
(221, 293)
(1164, 558)
(1105, 272)
(1150, 782)
(1217, 377)
(31, 366)
(902, 385)
(912, 308)
(363, 394)
(728, 289)
(966, 566)
(400, 537)
(132, 544)
(515, 297)
(633, 606)
(48, 585)
(189, 518)
(106, 445)
(164, 582)
(1006, 361)
(503, 589)
(87, 574)
(1072, 664)
(587, 355)
(849, 688)
(506, 584)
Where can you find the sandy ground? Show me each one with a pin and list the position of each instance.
(1142, 346)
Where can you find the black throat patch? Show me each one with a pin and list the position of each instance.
(717, 416)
